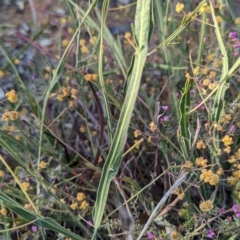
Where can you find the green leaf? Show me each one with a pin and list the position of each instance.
(113, 160)
(184, 136)
(44, 222)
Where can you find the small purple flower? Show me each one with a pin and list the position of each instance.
(177, 94)
(236, 45)
(150, 235)
(235, 54)
(229, 219)
(232, 128)
(210, 233)
(238, 214)
(165, 118)
(165, 108)
(235, 39)
(232, 34)
(34, 228)
(192, 91)
(89, 223)
(221, 210)
(235, 208)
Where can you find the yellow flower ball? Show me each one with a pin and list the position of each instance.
(80, 196)
(179, 7)
(227, 140)
(84, 205)
(25, 186)
(206, 206)
(74, 206)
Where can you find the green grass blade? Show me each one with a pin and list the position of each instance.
(183, 136)
(201, 39)
(186, 20)
(100, 71)
(224, 83)
(136, 190)
(113, 44)
(176, 184)
(44, 222)
(16, 149)
(31, 99)
(113, 160)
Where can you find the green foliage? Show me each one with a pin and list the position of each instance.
(144, 123)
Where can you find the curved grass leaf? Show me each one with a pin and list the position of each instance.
(114, 46)
(136, 190)
(176, 184)
(224, 80)
(186, 20)
(100, 71)
(41, 221)
(184, 136)
(19, 81)
(113, 160)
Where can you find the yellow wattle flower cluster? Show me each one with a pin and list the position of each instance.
(226, 118)
(212, 74)
(206, 82)
(232, 180)
(26, 186)
(84, 48)
(137, 133)
(153, 127)
(236, 173)
(204, 8)
(237, 20)
(227, 140)
(90, 77)
(174, 235)
(84, 205)
(2, 173)
(196, 71)
(67, 92)
(179, 7)
(74, 205)
(206, 206)
(12, 96)
(3, 212)
(234, 160)
(2, 74)
(93, 39)
(80, 196)
(65, 42)
(209, 177)
(212, 85)
(80, 200)
(220, 171)
(12, 115)
(179, 194)
(43, 165)
(188, 165)
(128, 38)
(200, 144)
(201, 162)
